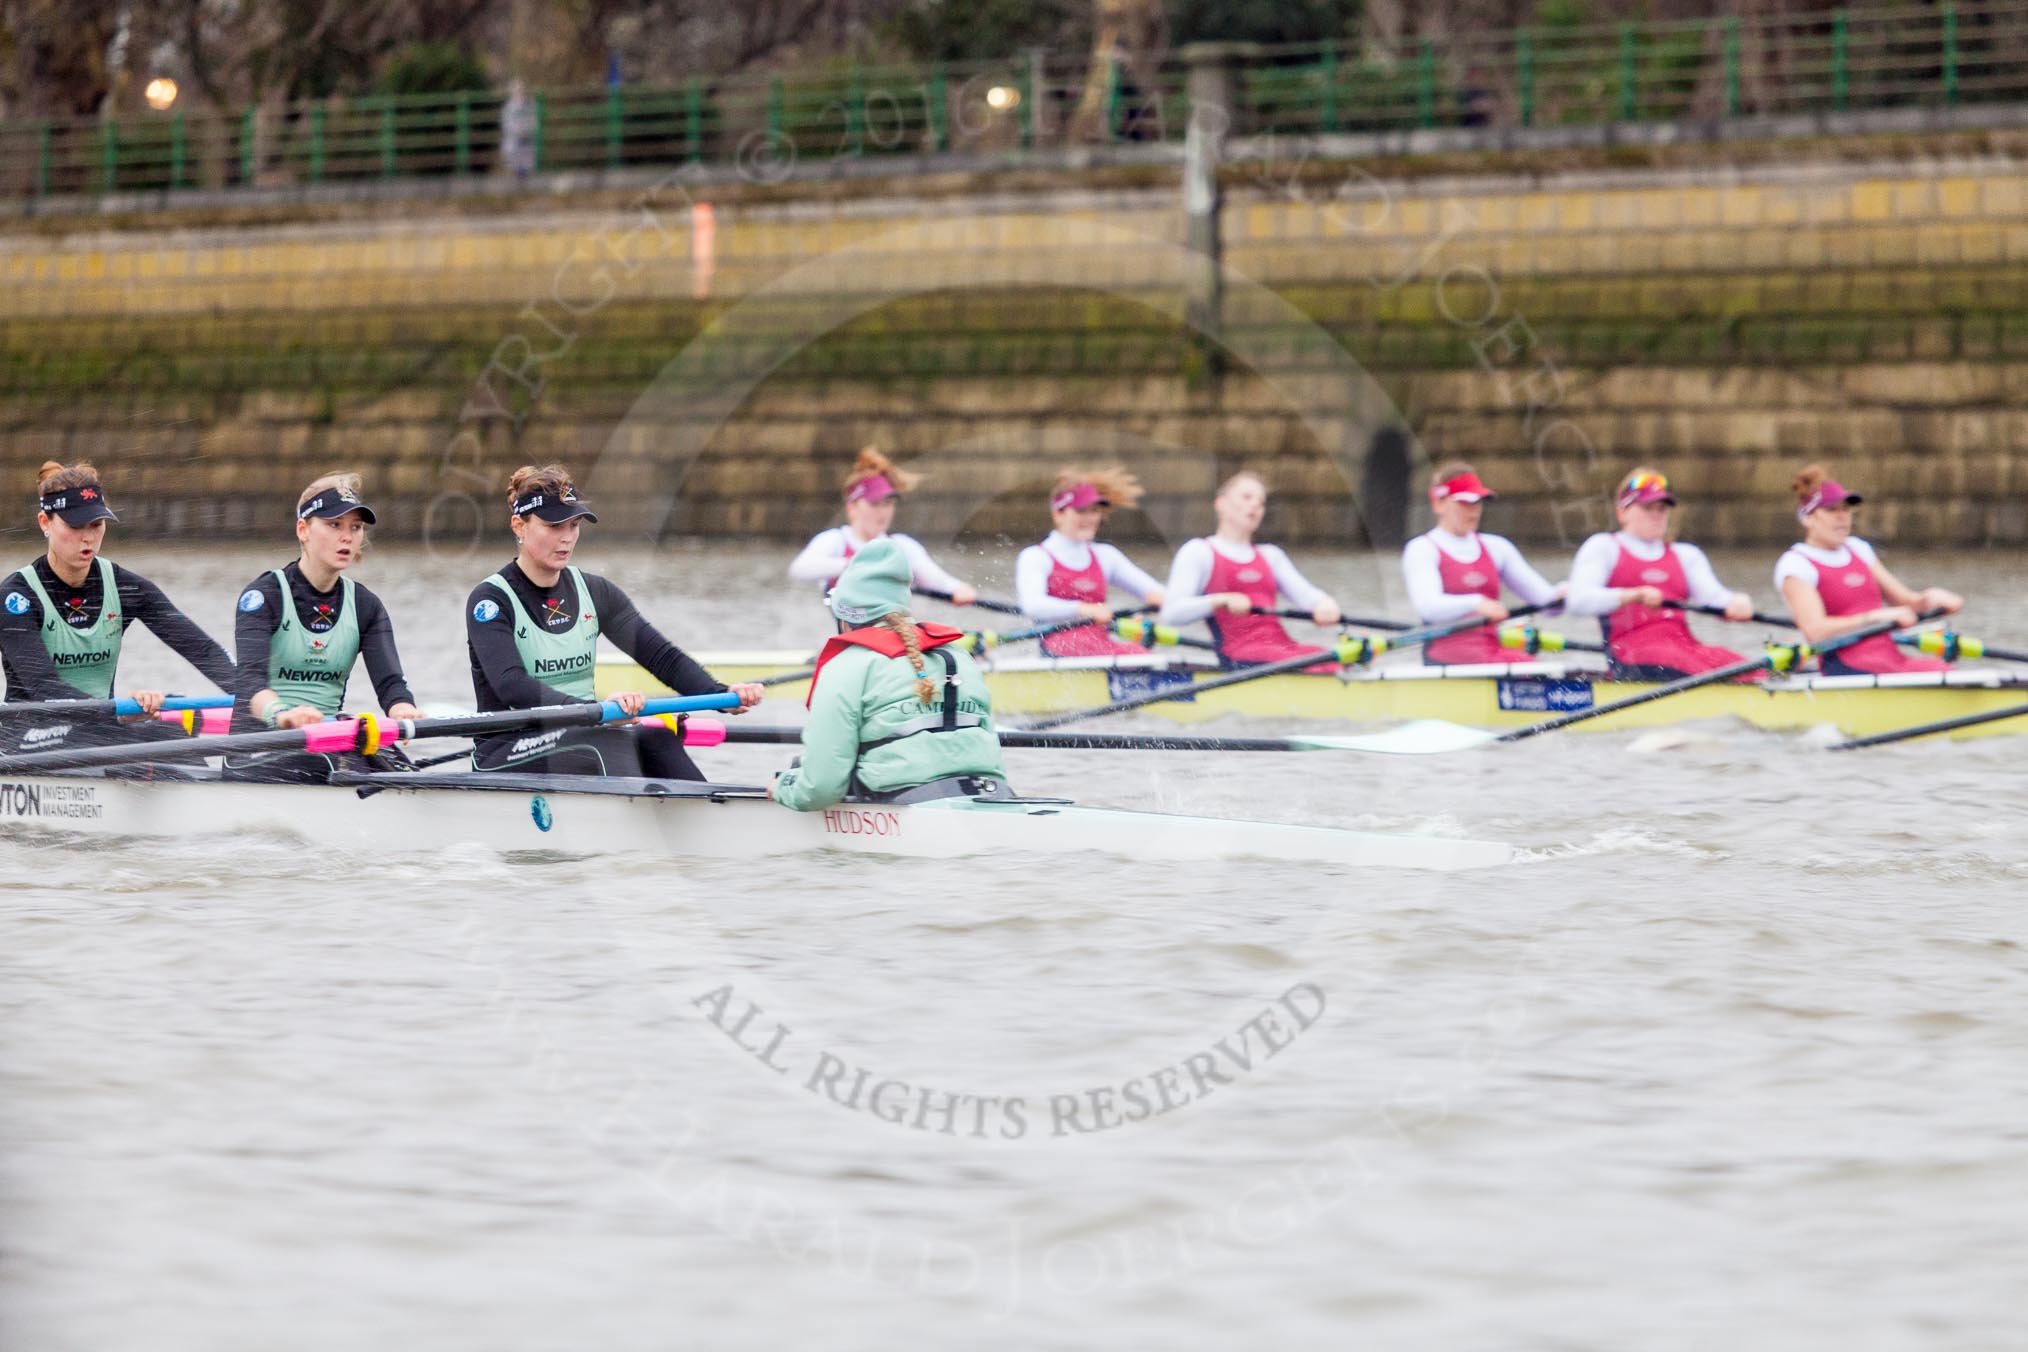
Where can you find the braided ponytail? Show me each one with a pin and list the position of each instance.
(911, 642)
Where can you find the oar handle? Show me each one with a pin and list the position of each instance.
(358, 734)
(1356, 621)
(983, 603)
(1718, 612)
(118, 708)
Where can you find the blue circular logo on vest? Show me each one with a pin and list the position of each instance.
(485, 611)
(251, 600)
(17, 604)
(538, 808)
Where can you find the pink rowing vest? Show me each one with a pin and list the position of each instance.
(1851, 589)
(1642, 636)
(1252, 638)
(1081, 584)
(1477, 578)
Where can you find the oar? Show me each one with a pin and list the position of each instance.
(1440, 736)
(984, 640)
(1101, 741)
(365, 734)
(983, 603)
(118, 708)
(1931, 729)
(1528, 639)
(1347, 652)
(1718, 612)
(1357, 621)
(1951, 647)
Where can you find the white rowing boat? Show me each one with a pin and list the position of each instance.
(576, 815)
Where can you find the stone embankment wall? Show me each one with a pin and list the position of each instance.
(710, 366)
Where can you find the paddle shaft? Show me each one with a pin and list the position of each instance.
(1997, 654)
(1718, 612)
(1932, 729)
(1702, 678)
(1018, 636)
(1358, 621)
(983, 603)
(1072, 741)
(117, 708)
(344, 734)
(1184, 691)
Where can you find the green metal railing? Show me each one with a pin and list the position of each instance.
(1952, 53)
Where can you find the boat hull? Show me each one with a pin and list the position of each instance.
(553, 815)
(1481, 696)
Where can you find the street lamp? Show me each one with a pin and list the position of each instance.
(160, 93)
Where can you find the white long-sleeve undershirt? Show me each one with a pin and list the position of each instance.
(1421, 570)
(1032, 569)
(824, 558)
(1796, 562)
(1184, 600)
(1592, 594)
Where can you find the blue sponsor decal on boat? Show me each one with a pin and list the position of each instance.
(1130, 684)
(538, 808)
(1541, 695)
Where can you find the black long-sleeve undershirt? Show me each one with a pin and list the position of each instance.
(32, 676)
(498, 680)
(318, 612)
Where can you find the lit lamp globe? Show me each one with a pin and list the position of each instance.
(1000, 98)
(160, 93)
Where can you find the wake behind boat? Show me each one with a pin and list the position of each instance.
(581, 815)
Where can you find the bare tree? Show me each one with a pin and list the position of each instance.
(56, 55)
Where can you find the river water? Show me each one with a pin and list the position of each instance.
(1735, 1056)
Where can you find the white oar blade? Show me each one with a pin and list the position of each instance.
(1424, 737)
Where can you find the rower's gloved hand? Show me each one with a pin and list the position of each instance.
(750, 693)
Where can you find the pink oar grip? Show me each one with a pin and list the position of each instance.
(199, 722)
(697, 731)
(331, 738)
(703, 731)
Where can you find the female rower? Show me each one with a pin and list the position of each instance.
(872, 489)
(520, 661)
(1226, 580)
(301, 628)
(1067, 576)
(65, 616)
(897, 713)
(1454, 572)
(1624, 577)
(1834, 583)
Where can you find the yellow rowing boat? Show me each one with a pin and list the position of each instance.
(1494, 696)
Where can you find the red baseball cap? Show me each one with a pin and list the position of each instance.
(1464, 487)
